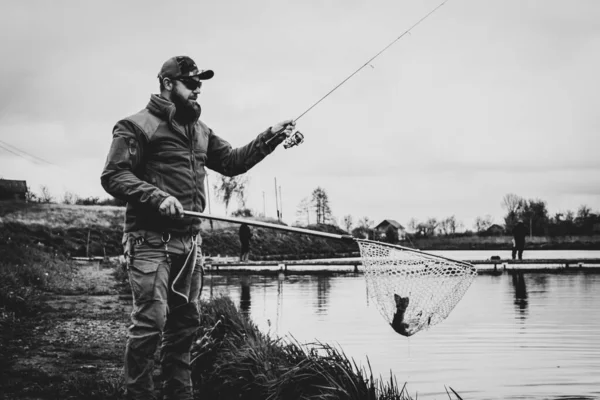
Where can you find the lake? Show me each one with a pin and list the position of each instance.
(506, 339)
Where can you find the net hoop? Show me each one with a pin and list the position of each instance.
(413, 290)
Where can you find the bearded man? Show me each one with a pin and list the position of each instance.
(156, 164)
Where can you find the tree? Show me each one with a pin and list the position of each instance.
(413, 224)
(364, 228)
(583, 212)
(69, 198)
(512, 203)
(535, 214)
(347, 222)
(45, 196)
(430, 226)
(229, 186)
(483, 223)
(448, 226)
(514, 206)
(320, 203)
(453, 224)
(303, 212)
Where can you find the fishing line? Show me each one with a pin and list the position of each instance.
(297, 137)
(372, 58)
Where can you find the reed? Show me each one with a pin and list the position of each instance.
(232, 358)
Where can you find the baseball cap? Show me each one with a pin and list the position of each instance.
(183, 66)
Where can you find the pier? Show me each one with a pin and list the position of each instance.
(354, 264)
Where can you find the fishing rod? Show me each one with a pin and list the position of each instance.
(297, 137)
(346, 238)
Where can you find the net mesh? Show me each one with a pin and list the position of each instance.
(413, 290)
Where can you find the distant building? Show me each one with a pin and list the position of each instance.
(13, 190)
(495, 230)
(596, 227)
(383, 226)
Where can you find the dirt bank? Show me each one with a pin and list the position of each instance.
(68, 346)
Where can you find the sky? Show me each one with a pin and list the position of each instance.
(482, 99)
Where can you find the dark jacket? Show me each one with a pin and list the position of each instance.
(245, 234)
(152, 156)
(519, 234)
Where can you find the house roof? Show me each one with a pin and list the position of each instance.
(12, 186)
(395, 224)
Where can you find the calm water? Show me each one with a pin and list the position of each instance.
(534, 338)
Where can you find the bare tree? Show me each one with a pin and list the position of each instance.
(347, 222)
(365, 222)
(303, 212)
(483, 223)
(229, 186)
(45, 196)
(69, 198)
(512, 203)
(413, 224)
(448, 226)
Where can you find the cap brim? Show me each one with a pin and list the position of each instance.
(205, 74)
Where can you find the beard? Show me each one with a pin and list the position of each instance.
(186, 111)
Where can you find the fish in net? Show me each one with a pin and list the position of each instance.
(413, 290)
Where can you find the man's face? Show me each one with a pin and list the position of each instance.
(185, 92)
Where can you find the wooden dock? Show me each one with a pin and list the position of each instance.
(353, 264)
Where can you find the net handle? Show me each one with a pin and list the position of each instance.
(347, 238)
(269, 225)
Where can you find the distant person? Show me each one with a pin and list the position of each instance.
(245, 236)
(519, 233)
(157, 164)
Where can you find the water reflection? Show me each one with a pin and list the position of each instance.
(520, 288)
(245, 302)
(512, 336)
(538, 282)
(323, 287)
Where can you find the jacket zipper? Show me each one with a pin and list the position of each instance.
(191, 131)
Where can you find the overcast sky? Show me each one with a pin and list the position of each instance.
(482, 99)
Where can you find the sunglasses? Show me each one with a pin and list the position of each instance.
(191, 84)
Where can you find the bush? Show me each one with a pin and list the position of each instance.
(242, 212)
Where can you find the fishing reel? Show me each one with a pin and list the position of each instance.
(295, 139)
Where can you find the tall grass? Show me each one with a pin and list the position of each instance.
(233, 359)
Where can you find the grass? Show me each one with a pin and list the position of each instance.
(25, 271)
(233, 359)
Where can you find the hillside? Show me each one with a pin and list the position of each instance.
(65, 229)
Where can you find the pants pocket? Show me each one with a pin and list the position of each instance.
(142, 277)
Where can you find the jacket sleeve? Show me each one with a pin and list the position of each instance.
(227, 161)
(124, 158)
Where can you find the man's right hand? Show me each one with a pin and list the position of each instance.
(171, 207)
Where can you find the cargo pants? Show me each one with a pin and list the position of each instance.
(166, 274)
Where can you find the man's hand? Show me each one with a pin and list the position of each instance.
(288, 124)
(171, 207)
(286, 127)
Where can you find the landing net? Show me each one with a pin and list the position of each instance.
(413, 290)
